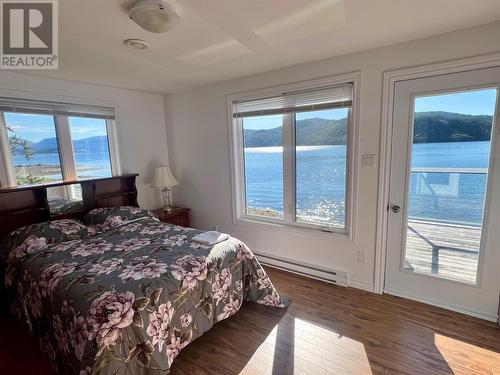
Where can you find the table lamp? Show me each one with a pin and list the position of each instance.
(164, 180)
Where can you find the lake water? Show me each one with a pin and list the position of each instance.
(446, 197)
(88, 165)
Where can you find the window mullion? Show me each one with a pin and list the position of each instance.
(241, 204)
(65, 145)
(7, 172)
(293, 172)
(289, 167)
(113, 147)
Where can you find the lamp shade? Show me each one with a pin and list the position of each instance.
(163, 177)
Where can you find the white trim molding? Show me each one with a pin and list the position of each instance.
(65, 146)
(7, 173)
(389, 80)
(114, 152)
(474, 313)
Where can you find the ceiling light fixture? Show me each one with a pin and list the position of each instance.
(136, 43)
(156, 16)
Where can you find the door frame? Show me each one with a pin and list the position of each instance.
(389, 81)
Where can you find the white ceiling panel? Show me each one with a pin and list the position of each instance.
(222, 39)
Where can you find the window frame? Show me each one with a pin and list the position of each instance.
(65, 150)
(237, 157)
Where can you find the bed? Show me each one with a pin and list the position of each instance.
(127, 293)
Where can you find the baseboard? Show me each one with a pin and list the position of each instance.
(337, 277)
(361, 285)
(476, 314)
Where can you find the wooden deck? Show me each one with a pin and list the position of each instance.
(443, 250)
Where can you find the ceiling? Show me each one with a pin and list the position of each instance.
(222, 39)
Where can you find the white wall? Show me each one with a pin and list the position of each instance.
(198, 141)
(140, 121)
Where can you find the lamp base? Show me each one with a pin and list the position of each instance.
(166, 200)
(168, 209)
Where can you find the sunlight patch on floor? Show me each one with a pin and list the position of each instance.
(458, 356)
(298, 347)
(263, 358)
(328, 350)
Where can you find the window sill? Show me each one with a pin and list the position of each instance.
(296, 227)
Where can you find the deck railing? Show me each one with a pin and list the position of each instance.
(449, 170)
(448, 195)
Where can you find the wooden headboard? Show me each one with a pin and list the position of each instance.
(20, 206)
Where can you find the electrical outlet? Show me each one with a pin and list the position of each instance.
(368, 160)
(361, 257)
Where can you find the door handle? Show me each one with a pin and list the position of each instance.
(395, 208)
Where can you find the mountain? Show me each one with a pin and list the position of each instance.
(46, 146)
(263, 138)
(430, 127)
(87, 145)
(92, 144)
(433, 127)
(314, 131)
(318, 131)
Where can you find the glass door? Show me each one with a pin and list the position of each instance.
(450, 154)
(441, 189)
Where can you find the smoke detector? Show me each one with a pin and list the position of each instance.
(156, 16)
(136, 43)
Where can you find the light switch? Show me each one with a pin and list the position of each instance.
(368, 160)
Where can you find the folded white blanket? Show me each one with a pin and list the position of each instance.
(211, 237)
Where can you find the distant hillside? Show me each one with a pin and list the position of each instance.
(47, 145)
(314, 131)
(87, 145)
(91, 144)
(263, 138)
(430, 127)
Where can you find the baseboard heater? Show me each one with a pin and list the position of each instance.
(337, 277)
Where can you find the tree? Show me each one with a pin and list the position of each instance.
(16, 143)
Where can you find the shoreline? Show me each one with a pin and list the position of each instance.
(50, 173)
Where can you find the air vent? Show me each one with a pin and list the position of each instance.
(136, 44)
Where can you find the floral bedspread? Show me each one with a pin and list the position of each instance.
(128, 300)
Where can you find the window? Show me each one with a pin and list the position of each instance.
(45, 142)
(263, 139)
(321, 166)
(291, 156)
(33, 144)
(91, 147)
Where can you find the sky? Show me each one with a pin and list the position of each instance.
(86, 127)
(37, 127)
(481, 102)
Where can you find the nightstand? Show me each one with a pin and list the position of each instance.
(178, 216)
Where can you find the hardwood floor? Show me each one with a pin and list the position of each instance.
(326, 330)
